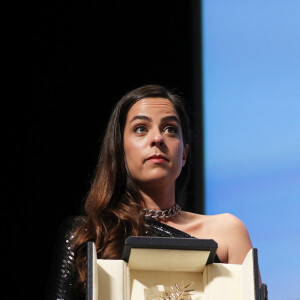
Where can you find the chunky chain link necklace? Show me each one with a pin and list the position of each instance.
(162, 214)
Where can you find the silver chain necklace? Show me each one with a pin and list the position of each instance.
(162, 214)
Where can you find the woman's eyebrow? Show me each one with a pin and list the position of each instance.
(164, 119)
(140, 117)
(170, 118)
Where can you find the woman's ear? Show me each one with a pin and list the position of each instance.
(185, 154)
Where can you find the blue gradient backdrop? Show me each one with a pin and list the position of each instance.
(251, 71)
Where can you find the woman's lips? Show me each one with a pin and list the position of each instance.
(157, 158)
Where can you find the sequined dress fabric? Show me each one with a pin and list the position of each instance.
(63, 273)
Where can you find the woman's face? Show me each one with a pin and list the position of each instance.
(153, 143)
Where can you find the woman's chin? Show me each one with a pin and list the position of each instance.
(158, 182)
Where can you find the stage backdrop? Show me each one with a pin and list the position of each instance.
(251, 58)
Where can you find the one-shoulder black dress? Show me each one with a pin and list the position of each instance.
(63, 273)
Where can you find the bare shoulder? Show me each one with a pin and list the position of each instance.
(230, 225)
(223, 217)
(227, 221)
(238, 240)
(223, 221)
(226, 229)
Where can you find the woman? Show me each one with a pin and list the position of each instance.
(139, 182)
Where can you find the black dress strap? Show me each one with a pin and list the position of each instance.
(157, 228)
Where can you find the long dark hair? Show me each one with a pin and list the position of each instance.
(114, 204)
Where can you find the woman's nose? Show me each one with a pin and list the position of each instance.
(157, 139)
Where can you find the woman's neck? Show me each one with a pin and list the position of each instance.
(158, 199)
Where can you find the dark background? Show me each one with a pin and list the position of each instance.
(82, 57)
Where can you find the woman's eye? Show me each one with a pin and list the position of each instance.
(171, 130)
(140, 129)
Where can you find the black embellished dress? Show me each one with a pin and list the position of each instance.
(63, 273)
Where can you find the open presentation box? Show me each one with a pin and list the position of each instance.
(157, 267)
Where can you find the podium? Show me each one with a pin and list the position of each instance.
(154, 268)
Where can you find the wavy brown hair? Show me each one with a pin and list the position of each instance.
(114, 204)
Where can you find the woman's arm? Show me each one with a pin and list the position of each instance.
(237, 239)
(238, 242)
